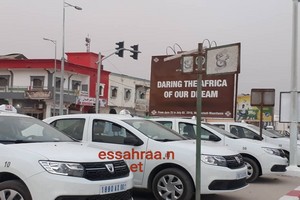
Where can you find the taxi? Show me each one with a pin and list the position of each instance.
(41, 163)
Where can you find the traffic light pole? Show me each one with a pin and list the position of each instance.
(99, 62)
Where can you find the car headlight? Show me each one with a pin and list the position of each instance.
(276, 152)
(63, 168)
(214, 160)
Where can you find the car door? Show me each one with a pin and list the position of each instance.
(116, 137)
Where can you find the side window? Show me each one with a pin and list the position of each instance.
(205, 134)
(109, 132)
(114, 92)
(71, 127)
(187, 130)
(37, 82)
(249, 134)
(242, 132)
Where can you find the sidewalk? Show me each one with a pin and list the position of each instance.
(293, 194)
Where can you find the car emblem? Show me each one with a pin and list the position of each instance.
(110, 168)
(237, 159)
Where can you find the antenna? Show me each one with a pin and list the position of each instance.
(88, 43)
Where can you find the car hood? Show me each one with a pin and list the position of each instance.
(62, 151)
(286, 140)
(209, 149)
(259, 143)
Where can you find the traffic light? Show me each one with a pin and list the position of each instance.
(135, 51)
(119, 52)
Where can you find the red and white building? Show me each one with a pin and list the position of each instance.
(28, 84)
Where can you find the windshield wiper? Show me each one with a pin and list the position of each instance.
(16, 141)
(165, 140)
(23, 141)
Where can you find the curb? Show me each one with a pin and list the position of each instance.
(292, 195)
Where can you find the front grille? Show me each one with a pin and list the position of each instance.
(234, 162)
(126, 195)
(227, 184)
(99, 171)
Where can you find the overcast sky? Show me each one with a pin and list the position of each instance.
(263, 27)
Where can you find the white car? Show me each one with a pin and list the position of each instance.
(37, 162)
(244, 130)
(260, 157)
(161, 159)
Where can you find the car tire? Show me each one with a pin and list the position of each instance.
(14, 189)
(252, 169)
(172, 183)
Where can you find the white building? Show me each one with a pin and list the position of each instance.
(130, 93)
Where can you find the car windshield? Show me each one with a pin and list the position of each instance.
(154, 130)
(19, 129)
(267, 133)
(221, 131)
(275, 132)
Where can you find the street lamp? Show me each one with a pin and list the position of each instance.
(61, 96)
(294, 99)
(54, 76)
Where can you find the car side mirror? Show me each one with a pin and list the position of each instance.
(257, 137)
(133, 141)
(214, 138)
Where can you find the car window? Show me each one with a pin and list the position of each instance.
(72, 127)
(265, 132)
(109, 132)
(221, 131)
(221, 126)
(242, 132)
(24, 129)
(167, 124)
(154, 130)
(188, 130)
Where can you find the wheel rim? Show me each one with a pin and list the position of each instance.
(249, 170)
(170, 187)
(10, 194)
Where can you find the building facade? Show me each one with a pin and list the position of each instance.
(129, 93)
(33, 86)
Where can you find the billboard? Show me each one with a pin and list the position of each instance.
(251, 113)
(174, 93)
(285, 107)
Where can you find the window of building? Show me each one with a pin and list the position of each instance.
(101, 89)
(114, 92)
(76, 85)
(84, 89)
(142, 95)
(4, 81)
(58, 81)
(127, 94)
(37, 82)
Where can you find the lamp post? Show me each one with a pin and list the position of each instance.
(294, 104)
(61, 96)
(54, 76)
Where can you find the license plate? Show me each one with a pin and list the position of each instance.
(241, 175)
(114, 188)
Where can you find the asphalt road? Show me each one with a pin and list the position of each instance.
(268, 187)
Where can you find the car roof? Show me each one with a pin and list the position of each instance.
(7, 114)
(95, 115)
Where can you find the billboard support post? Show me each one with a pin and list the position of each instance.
(199, 110)
(262, 97)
